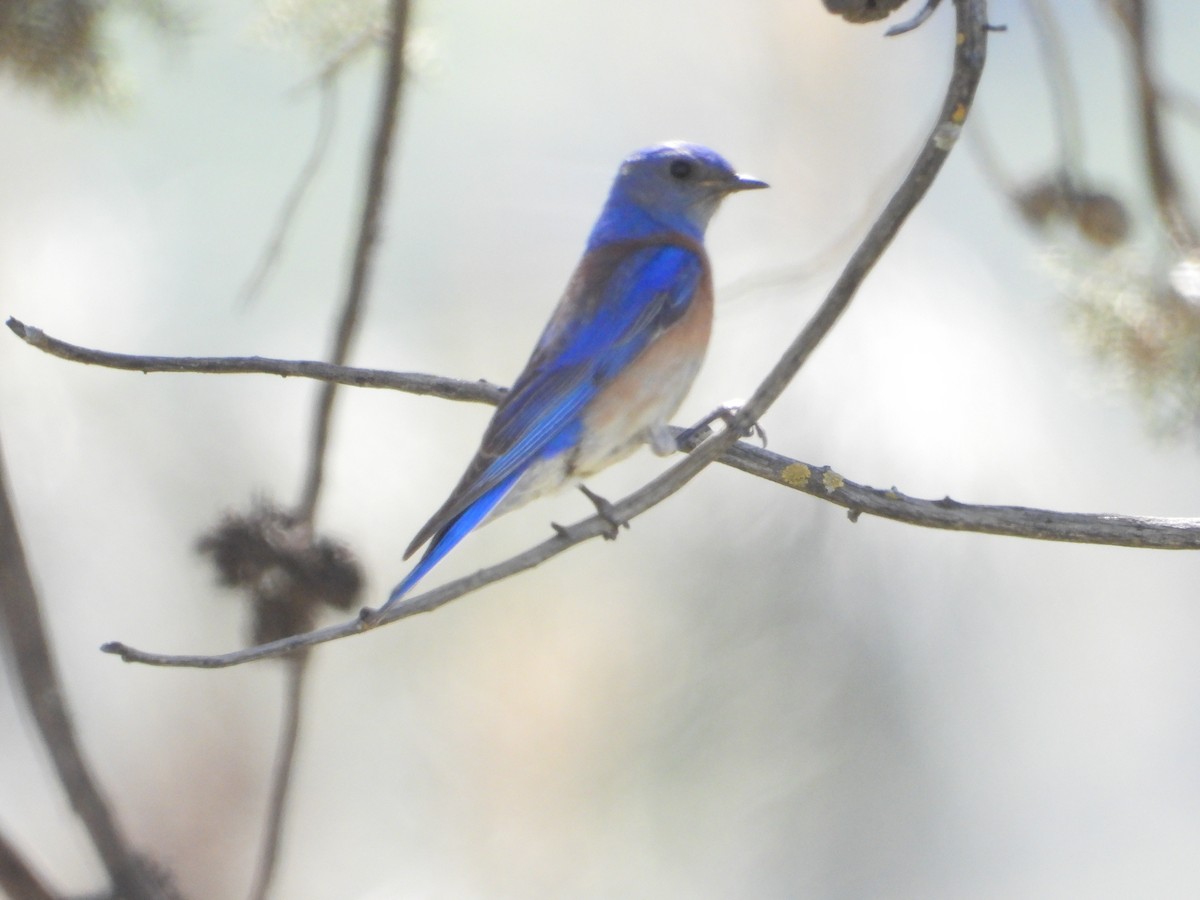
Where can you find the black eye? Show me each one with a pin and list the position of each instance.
(681, 169)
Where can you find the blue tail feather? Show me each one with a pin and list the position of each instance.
(445, 541)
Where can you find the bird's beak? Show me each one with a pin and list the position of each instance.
(747, 183)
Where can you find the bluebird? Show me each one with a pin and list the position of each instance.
(618, 355)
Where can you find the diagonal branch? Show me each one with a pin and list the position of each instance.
(822, 482)
(367, 621)
(24, 632)
(969, 55)
(970, 51)
(327, 113)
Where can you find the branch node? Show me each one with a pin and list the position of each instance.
(606, 511)
(562, 531)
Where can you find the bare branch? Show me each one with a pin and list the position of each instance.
(33, 659)
(970, 51)
(297, 668)
(423, 603)
(375, 191)
(410, 382)
(1014, 521)
(327, 113)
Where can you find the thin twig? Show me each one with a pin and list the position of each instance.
(297, 667)
(327, 114)
(1164, 182)
(368, 232)
(33, 658)
(410, 382)
(970, 51)
(367, 621)
(1013, 521)
(1064, 99)
(795, 275)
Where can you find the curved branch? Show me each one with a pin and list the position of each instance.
(970, 51)
(410, 382)
(27, 645)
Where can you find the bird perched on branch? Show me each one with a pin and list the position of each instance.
(617, 356)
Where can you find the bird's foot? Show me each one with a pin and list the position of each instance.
(727, 413)
(661, 439)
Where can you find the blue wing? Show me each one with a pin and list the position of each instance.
(622, 297)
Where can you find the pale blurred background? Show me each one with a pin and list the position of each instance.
(744, 696)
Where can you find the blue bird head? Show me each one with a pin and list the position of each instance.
(675, 186)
